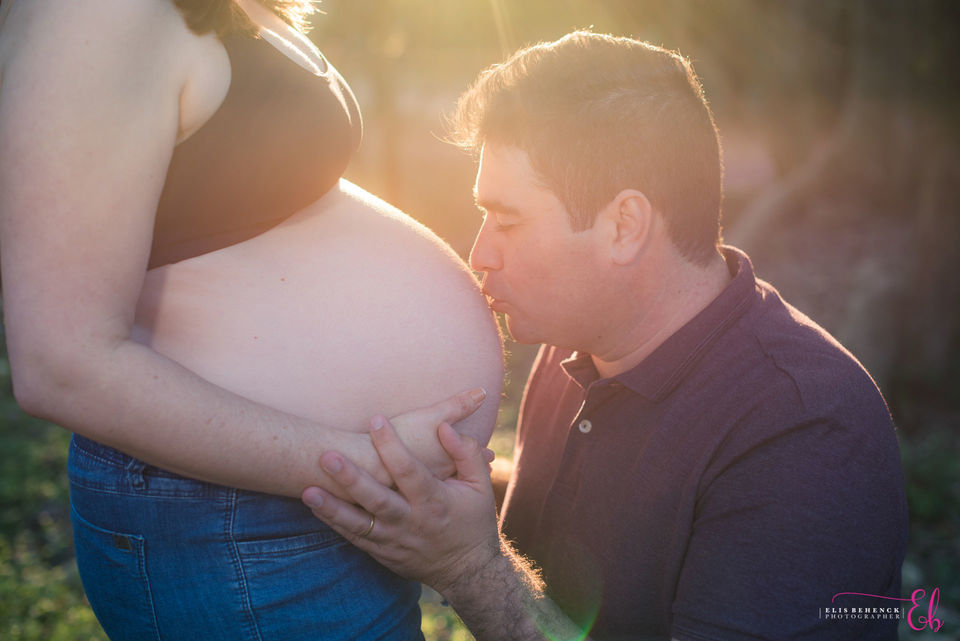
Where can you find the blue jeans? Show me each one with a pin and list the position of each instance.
(167, 558)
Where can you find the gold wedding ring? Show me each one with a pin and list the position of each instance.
(369, 529)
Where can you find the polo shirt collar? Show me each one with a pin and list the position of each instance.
(660, 372)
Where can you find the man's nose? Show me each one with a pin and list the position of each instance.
(485, 255)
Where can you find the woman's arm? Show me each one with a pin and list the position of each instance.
(89, 116)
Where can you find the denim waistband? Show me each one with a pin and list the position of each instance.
(100, 467)
(105, 453)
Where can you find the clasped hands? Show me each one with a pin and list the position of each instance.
(436, 531)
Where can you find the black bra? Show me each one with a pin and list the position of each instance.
(281, 139)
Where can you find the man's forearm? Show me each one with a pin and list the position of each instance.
(504, 600)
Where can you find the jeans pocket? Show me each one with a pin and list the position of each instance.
(113, 570)
(317, 585)
(284, 546)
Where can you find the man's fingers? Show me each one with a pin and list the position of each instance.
(412, 477)
(457, 407)
(348, 520)
(467, 454)
(363, 489)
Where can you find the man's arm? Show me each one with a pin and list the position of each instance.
(505, 599)
(442, 533)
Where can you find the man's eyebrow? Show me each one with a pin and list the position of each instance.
(495, 206)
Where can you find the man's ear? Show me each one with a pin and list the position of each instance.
(629, 220)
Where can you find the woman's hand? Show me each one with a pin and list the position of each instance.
(418, 431)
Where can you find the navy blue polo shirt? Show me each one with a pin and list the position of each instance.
(727, 487)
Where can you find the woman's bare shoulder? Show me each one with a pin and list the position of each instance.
(42, 37)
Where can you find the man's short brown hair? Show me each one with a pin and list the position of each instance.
(597, 114)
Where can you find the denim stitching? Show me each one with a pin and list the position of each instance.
(90, 454)
(249, 614)
(305, 543)
(142, 563)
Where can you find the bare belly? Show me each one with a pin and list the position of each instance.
(347, 309)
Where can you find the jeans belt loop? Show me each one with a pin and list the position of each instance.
(135, 473)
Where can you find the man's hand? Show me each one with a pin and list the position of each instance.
(430, 530)
(442, 533)
(418, 430)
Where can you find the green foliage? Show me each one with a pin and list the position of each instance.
(932, 471)
(933, 474)
(440, 622)
(40, 593)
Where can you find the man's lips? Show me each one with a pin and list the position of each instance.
(495, 303)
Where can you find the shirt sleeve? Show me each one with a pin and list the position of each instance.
(784, 525)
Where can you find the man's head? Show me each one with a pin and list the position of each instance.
(600, 178)
(598, 114)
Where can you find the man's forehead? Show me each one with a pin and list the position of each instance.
(504, 175)
(502, 156)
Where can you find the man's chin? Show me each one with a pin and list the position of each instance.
(520, 334)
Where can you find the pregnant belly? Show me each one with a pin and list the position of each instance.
(347, 309)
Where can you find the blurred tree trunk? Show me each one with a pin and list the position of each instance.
(872, 108)
(892, 154)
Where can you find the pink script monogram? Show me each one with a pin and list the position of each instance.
(915, 619)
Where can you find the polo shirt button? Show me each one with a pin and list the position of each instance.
(585, 426)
